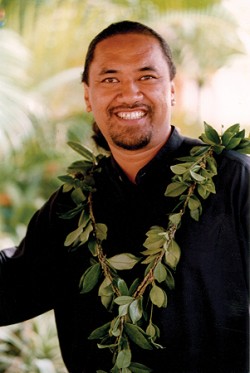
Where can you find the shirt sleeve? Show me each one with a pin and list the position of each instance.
(32, 275)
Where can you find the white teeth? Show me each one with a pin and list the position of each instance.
(131, 115)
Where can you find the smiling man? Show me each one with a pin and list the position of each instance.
(202, 322)
(130, 91)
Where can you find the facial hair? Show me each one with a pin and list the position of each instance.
(127, 137)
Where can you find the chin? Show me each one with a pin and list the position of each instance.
(132, 146)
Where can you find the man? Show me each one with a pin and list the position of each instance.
(128, 83)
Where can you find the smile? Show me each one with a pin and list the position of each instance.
(130, 115)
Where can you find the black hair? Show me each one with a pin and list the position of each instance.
(127, 27)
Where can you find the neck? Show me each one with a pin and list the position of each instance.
(132, 161)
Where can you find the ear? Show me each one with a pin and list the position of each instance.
(86, 97)
(173, 102)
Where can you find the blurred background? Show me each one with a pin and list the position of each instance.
(42, 50)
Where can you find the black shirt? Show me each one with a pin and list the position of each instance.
(204, 329)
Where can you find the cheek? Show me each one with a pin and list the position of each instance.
(160, 96)
(99, 101)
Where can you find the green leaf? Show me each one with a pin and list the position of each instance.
(170, 282)
(172, 255)
(123, 310)
(134, 286)
(84, 219)
(210, 186)
(160, 272)
(175, 218)
(123, 299)
(105, 288)
(241, 134)
(154, 231)
(203, 191)
(149, 259)
(85, 152)
(78, 196)
(90, 278)
(175, 189)
(67, 188)
(229, 133)
(73, 236)
(244, 146)
(100, 332)
(122, 286)
(123, 358)
(153, 251)
(81, 167)
(179, 169)
(115, 369)
(151, 331)
(245, 150)
(135, 310)
(212, 165)
(195, 214)
(139, 368)
(107, 301)
(109, 346)
(211, 135)
(92, 245)
(71, 213)
(138, 336)
(218, 148)
(123, 261)
(68, 180)
(115, 327)
(193, 203)
(125, 370)
(199, 150)
(101, 231)
(84, 236)
(158, 296)
(154, 243)
(233, 143)
(196, 177)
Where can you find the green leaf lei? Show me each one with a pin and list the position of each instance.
(132, 318)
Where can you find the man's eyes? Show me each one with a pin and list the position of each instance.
(110, 80)
(116, 80)
(147, 77)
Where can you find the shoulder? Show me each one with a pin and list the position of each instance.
(233, 177)
(232, 156)
(233, 162)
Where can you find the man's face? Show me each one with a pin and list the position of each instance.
(130, 92)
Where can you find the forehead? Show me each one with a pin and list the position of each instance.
(128, 49)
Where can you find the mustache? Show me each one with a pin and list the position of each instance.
(124, 107)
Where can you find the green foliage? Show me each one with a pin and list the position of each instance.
(132, 307)
(31, 347)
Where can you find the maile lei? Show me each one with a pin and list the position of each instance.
(132, 306)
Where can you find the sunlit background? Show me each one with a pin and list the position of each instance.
(42, 49)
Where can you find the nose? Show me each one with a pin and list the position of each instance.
(129, 92)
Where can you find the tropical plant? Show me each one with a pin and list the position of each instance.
(203, 41)
(31, 347)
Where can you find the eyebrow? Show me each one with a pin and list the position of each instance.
(108, 71)
(147, 68)
(105, 71)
